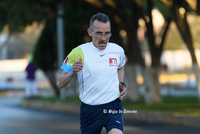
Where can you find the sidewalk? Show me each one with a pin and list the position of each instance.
(147, 116)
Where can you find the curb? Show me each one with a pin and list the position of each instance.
(55, 106)
(147, 116)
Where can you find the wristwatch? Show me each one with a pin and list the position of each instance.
(122, 83)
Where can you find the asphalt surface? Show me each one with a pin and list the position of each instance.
(17, 120)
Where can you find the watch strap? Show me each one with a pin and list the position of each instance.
(122, 83)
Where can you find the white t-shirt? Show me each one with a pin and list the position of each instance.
(98, 79)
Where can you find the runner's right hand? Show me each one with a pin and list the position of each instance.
(77, 66)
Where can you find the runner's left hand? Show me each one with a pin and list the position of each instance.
(123, 92)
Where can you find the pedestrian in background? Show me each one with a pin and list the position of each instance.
(99, 66)
(30, 83)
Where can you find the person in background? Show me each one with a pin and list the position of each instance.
(30, 83)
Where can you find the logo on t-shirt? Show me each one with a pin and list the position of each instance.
(113, 61)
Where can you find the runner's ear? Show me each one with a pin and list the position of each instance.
(89, 32)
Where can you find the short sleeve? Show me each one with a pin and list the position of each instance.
(73, 56)
(121, 58)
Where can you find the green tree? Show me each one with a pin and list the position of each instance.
(124, 15)
(45, 55)
(182, 24)
(75, 34)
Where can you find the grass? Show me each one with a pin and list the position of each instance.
(171, 104)
(73, 99)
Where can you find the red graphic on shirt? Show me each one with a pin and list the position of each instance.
(113, 61)
(66, 60)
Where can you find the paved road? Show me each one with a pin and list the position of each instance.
(17, 120)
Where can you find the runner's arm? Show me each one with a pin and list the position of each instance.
(64, 79)
(120, 72)
(122, 88)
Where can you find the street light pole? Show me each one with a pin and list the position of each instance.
(60, 37)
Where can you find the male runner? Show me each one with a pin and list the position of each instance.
(100, 68)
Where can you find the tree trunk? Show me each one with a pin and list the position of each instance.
(197, 73)
(154, 74)
(3, 45)
(52, 78)
(148, 96)
(153, 92)
(72, 88)
(152, 85)
(131, 82)
(184, 30)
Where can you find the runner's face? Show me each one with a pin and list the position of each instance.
(100, 33)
